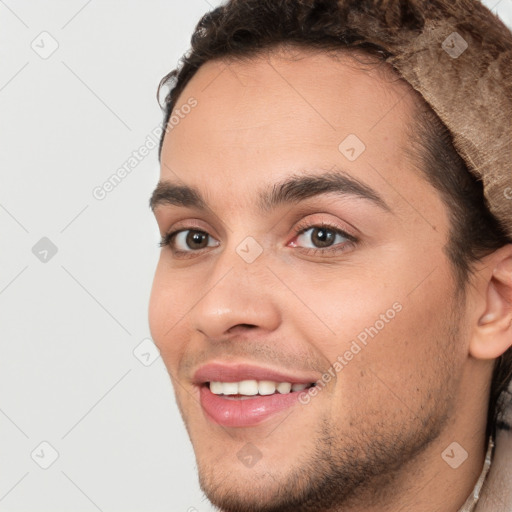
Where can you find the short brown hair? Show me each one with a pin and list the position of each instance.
(241, 29)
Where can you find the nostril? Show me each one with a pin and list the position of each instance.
(242, 326)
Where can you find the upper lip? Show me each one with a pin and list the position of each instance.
(235, 372)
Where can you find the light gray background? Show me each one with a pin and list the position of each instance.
(71, 374)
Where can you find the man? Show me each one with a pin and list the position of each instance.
(333, 299)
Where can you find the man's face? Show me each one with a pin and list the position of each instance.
(273, 277)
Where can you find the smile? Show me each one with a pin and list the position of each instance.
(244, 395)
(247, 388)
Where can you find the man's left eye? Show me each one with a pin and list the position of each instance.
(319, 237)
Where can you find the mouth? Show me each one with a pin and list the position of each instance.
(245, 395)
(247, 389)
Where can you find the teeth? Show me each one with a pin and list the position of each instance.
(266, 387)
(230, 388)
(284, 387)
(254, 387)
(248, 387)
(216, 388)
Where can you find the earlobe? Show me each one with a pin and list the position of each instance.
(493, 333)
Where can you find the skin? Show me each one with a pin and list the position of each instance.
(372, 438)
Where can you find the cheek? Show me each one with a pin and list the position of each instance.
(392, 319)
(343, 307)
(407, 361)
(166, 309)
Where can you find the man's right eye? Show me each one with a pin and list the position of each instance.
(188, 240)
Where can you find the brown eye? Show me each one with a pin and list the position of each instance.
(196, 239)
(319, 237)
(322, 237)
(188, 240)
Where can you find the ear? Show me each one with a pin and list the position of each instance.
(493, 334)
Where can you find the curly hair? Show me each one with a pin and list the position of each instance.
(242, 29)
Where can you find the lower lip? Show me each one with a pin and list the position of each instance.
(244, 412)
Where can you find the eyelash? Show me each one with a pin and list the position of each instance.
(167, 239)
(334, 249)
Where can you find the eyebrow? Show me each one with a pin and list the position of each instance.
(170, 193)
(294, 188)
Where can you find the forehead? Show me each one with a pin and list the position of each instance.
(259, 119)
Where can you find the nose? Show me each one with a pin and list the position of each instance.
(236, 297)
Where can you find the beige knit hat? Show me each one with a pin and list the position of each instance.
(461, 63)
